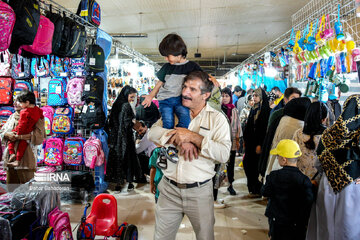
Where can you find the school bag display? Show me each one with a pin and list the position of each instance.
(57, 92)
(22, 86)
(95, 60)
(57, 67)
(74, 90)
(60, 222)
(63, 121)
(48, 113)
(93, 88)
(42, 44)
(77, 41)
(26, 24)
(54, 151)
(78, 67)
(66, 37)
(5, 64)
(92, 115)
(6, 87)
(73, 151)
(93, 153)
(90, 11)
(7, 22)
(58, 22)
(20, 67)
(40, 67)
(5, 113)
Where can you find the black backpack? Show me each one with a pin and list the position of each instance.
(95, 60)
(77, 41)
(26, 24)
(66, 37)
(58, 22)
(93, 115)
(20, 223)
(93, 88)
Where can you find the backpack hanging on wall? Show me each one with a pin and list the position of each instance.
(7, 22)
(42, 44)
(93, 153)
(26, 24)
(65, 37)
(95, 60)
(5, 70)
(78, 67)
(93, 88)
(5, 113)
(77, 41)
(73, 151)
(90, 11)
(57, 92)
(48, 113)
(92, 115)
(20, 67)
(22, 86)
(40, 67)
(63, 122)
(58, 22)
(6, 87)
(74, 90)
(54, 151)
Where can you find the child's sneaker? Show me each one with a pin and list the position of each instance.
(162, 159)
(172, 154)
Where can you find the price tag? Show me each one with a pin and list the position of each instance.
(78, 74)
(40, 74)
(85, 109)
(92, 61)
(63, 74)
(87, 87)
(58, 90)
(21, 74)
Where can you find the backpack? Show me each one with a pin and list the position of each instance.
(7, 22)
(43, 41)
(48, 113)
(54, 151)
(5, 113)
(78, 67)
(20, 67)
(22, 86)
(77, 41)
(6, 87)
(56, 66)
(60, 222)
(40, 67)
(26, 25)
(93, 88)
(5, 64)
(95, 60)
(92, 115)
(66, 37)
(73, 151)
(74, 91)
(93, 153)
(63, 121)
(90, 11)
(58, 22)
(57, 92)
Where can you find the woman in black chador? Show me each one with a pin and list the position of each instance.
(122, 162)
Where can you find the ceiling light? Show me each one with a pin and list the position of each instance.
(129, 35)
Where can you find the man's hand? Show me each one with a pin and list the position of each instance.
(258, 149)
(189, 151)
(214, 81)
(147, 101)
(180, 136)
(11, 136)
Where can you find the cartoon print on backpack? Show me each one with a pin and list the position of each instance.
(5, 70)
(20, 67)
(73, 151)
(54, 151)
(7, 22)
(74, 91)
(63, 122)
(40, 67)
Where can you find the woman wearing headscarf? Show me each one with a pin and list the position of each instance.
(123, 162)
(233, 116)
(24, 172)
(308, 137)
(293, 119)
(254, 135)
(335, 214)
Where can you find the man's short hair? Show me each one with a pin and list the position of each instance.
(26, 96)
(207, 85)
(291, 90)
(276, 89)
(292, 160)
(237, 88)
(174, 45)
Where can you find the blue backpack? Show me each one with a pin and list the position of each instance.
(57, 92)
(22, 86)
(63, 121)
(5, 113)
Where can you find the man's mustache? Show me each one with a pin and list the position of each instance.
(187, 98)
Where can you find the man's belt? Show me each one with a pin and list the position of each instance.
(186, 185)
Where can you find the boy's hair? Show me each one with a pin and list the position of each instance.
(174, 45)
(276, 89)
(290, 90)
(292, 160)
(207, 85)
(26, 96)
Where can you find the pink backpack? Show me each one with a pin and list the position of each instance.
(93, 153)
(42, 44)
(60, 222)
(48, 113)
(5, 70)
(54, 152)
(74, 89)
(7, 22)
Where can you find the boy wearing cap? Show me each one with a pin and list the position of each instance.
(290, 195)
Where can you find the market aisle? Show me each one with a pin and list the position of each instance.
(243, 219)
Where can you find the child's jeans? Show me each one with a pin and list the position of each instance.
(170, 106)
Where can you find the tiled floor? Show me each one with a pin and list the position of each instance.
(242, 219)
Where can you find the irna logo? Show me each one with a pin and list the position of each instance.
(58, 177)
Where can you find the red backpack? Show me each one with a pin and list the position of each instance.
(42, 44)
(7, 22)
(6, 87)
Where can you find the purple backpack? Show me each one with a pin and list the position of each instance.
(74, 90)
(7, 22)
